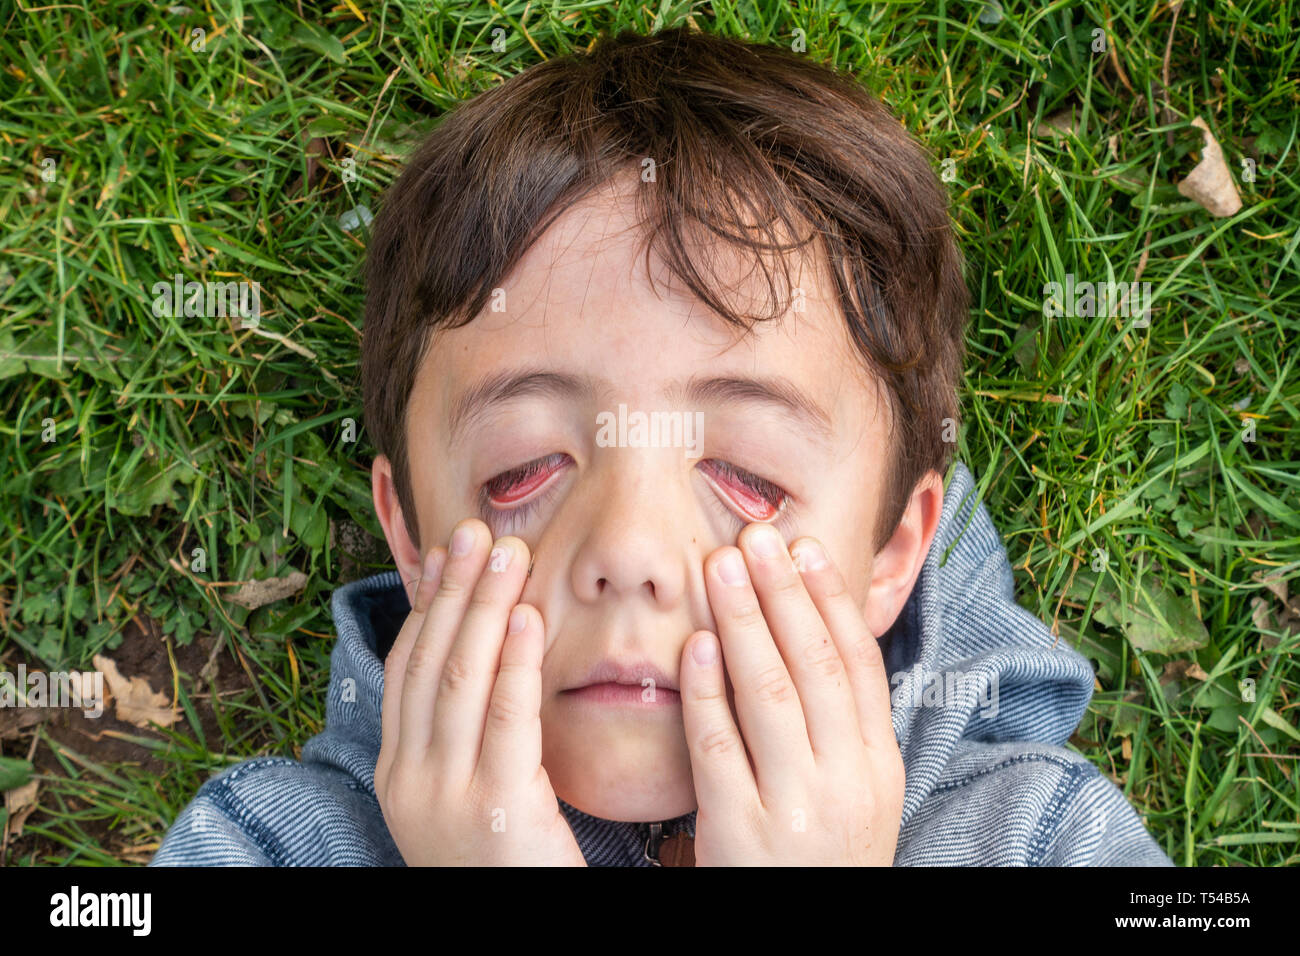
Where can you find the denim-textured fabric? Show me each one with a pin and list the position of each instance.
(983, 700)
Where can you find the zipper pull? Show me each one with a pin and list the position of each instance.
(654, 837)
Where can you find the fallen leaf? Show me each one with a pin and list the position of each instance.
(254, 594)
(20, 803)
(1155, 619)
(1274, 582)
(135, 701)
(1062, 123)
(1181, 670)
(15, 720)
(1261, 613)
(1210, 183)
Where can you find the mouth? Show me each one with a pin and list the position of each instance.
(636, 682)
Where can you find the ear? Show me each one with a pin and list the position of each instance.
(898, 563)
(389, 510)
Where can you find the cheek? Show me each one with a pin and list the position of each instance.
(859, 582)
(435, 513)
(855, 561)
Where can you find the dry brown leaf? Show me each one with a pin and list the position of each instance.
(253, 594)
(135, 701)
(1182, 670)
(1259, 613)
(1262, 616)
(1275, 583)
(15, 720)
(1210, 183)
(1060, 124)
(20, 802)
(141, 856)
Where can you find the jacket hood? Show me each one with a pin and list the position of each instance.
(964, 662)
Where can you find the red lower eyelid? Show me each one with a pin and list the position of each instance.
(759, 509)
(523, 489)
(755, 507)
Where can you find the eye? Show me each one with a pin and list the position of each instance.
(756, 498)
(504, 500)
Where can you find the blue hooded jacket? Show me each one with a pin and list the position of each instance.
(983, 700)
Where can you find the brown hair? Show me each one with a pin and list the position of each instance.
(771, 137)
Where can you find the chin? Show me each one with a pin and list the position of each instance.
(617, 775)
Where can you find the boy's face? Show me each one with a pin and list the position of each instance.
(620, 534)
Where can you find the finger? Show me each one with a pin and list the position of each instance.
(821, 680)
(420, 593)
(722, 775)
(859, 649)
(466, 556)
(470, 670)
(767, 704)
(512, 734)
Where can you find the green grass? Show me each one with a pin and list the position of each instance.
(1090, 438)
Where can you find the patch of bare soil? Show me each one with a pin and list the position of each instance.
(204, 667)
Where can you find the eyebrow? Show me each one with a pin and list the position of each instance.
(776, 392)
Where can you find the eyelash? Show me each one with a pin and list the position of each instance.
(773, 494)
(504, 521)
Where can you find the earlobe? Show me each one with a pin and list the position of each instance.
(898, 564)
(389, 511)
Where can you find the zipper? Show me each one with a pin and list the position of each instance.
(654, 834)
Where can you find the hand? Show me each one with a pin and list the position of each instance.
(459, 776)
(823, 780)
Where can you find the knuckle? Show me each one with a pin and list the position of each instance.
(704, 696)
(747, 614)
(833, 587)
(865, 651)
(788, 583)
(456, 675)
(452, 586)
(506, 710)
(773, 685)
(716, 742)
(483, 599)
(420, 660)
(822, 658)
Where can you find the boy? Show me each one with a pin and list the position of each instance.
(670, 634)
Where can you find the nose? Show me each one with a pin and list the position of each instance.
(635, 540)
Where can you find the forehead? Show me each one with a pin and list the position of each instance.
(593, 297)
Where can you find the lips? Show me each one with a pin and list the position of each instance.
(629, 672)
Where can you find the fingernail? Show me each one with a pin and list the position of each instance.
(731, 568)
(705, 650)
(518, 619)
(765, 541)
(809, 556)
(462, 541)
(499, 559)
